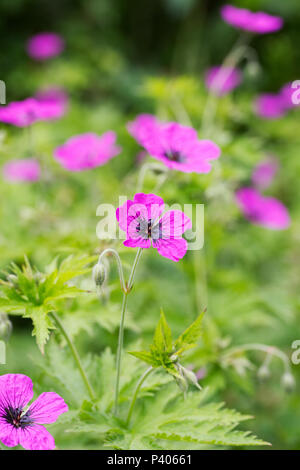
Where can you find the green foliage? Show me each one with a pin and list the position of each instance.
(33, 294)
(162, 417)
(164, 352)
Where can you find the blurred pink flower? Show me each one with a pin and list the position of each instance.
(26, 112)
(53, 94)
(255, 22)
(143, 222)
(264, 173)
(15, 171)
(262, 210)
(269, 106)
(20, 427)
(86, 151)
(142, 124)
(178, 147)
(44, 46)
(222, 80)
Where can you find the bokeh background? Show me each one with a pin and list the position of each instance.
(127, 57)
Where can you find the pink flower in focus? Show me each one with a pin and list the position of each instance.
(15, 171)
(86, 151)
(262, 210)
(178, 147)
(143, 222)
(24, 427)
(222, 80)
(44, 46)
(26, 112)
(142, 124)
(264, 173)
(269, 106)
(255, 22)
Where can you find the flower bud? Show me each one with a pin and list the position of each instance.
(288, 381)
(5, 327)
(99, 274)
(263, 373)
(191, 377)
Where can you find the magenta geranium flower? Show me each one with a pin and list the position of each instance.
(44, 46)
(144, 223)
(20, 425)
(178, 147)
(141, 126)
(255, 22)
(26, 112)
(86, 151)
(221, 80)
(269, 106)
(16, 171)
(264, 173)
(262, 210)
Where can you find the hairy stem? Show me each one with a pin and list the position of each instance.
(75, 354)
(269, 350)
(112, 251)
(137, 389)
(121, 330)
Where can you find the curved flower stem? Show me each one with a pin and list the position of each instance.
(231, 60)
(269, 350)
(112, 251)
(137, 389)
(126, 291)
(74, 353)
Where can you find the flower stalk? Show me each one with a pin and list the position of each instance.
(137, 389)
(127, 289)
(75, 354)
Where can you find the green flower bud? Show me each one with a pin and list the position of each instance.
(99, 274)
(288, 381)
(263, 373)
(191, 377)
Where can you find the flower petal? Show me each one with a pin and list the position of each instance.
(9, 435)
(174, 224)
(153, 204)
(36, 438)
(174, 249)
(138, 242)
(47, 408)
(15, 390)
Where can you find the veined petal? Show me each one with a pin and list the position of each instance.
(173, 248)
(174, 224)
(138, 242)
(47, 408)
(16, 390)
(36, 437)
(9, 435)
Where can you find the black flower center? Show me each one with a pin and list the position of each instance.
(16, 417)
(174, 156)
(149, 229)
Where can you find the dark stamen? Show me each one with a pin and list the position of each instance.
(16, 418)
